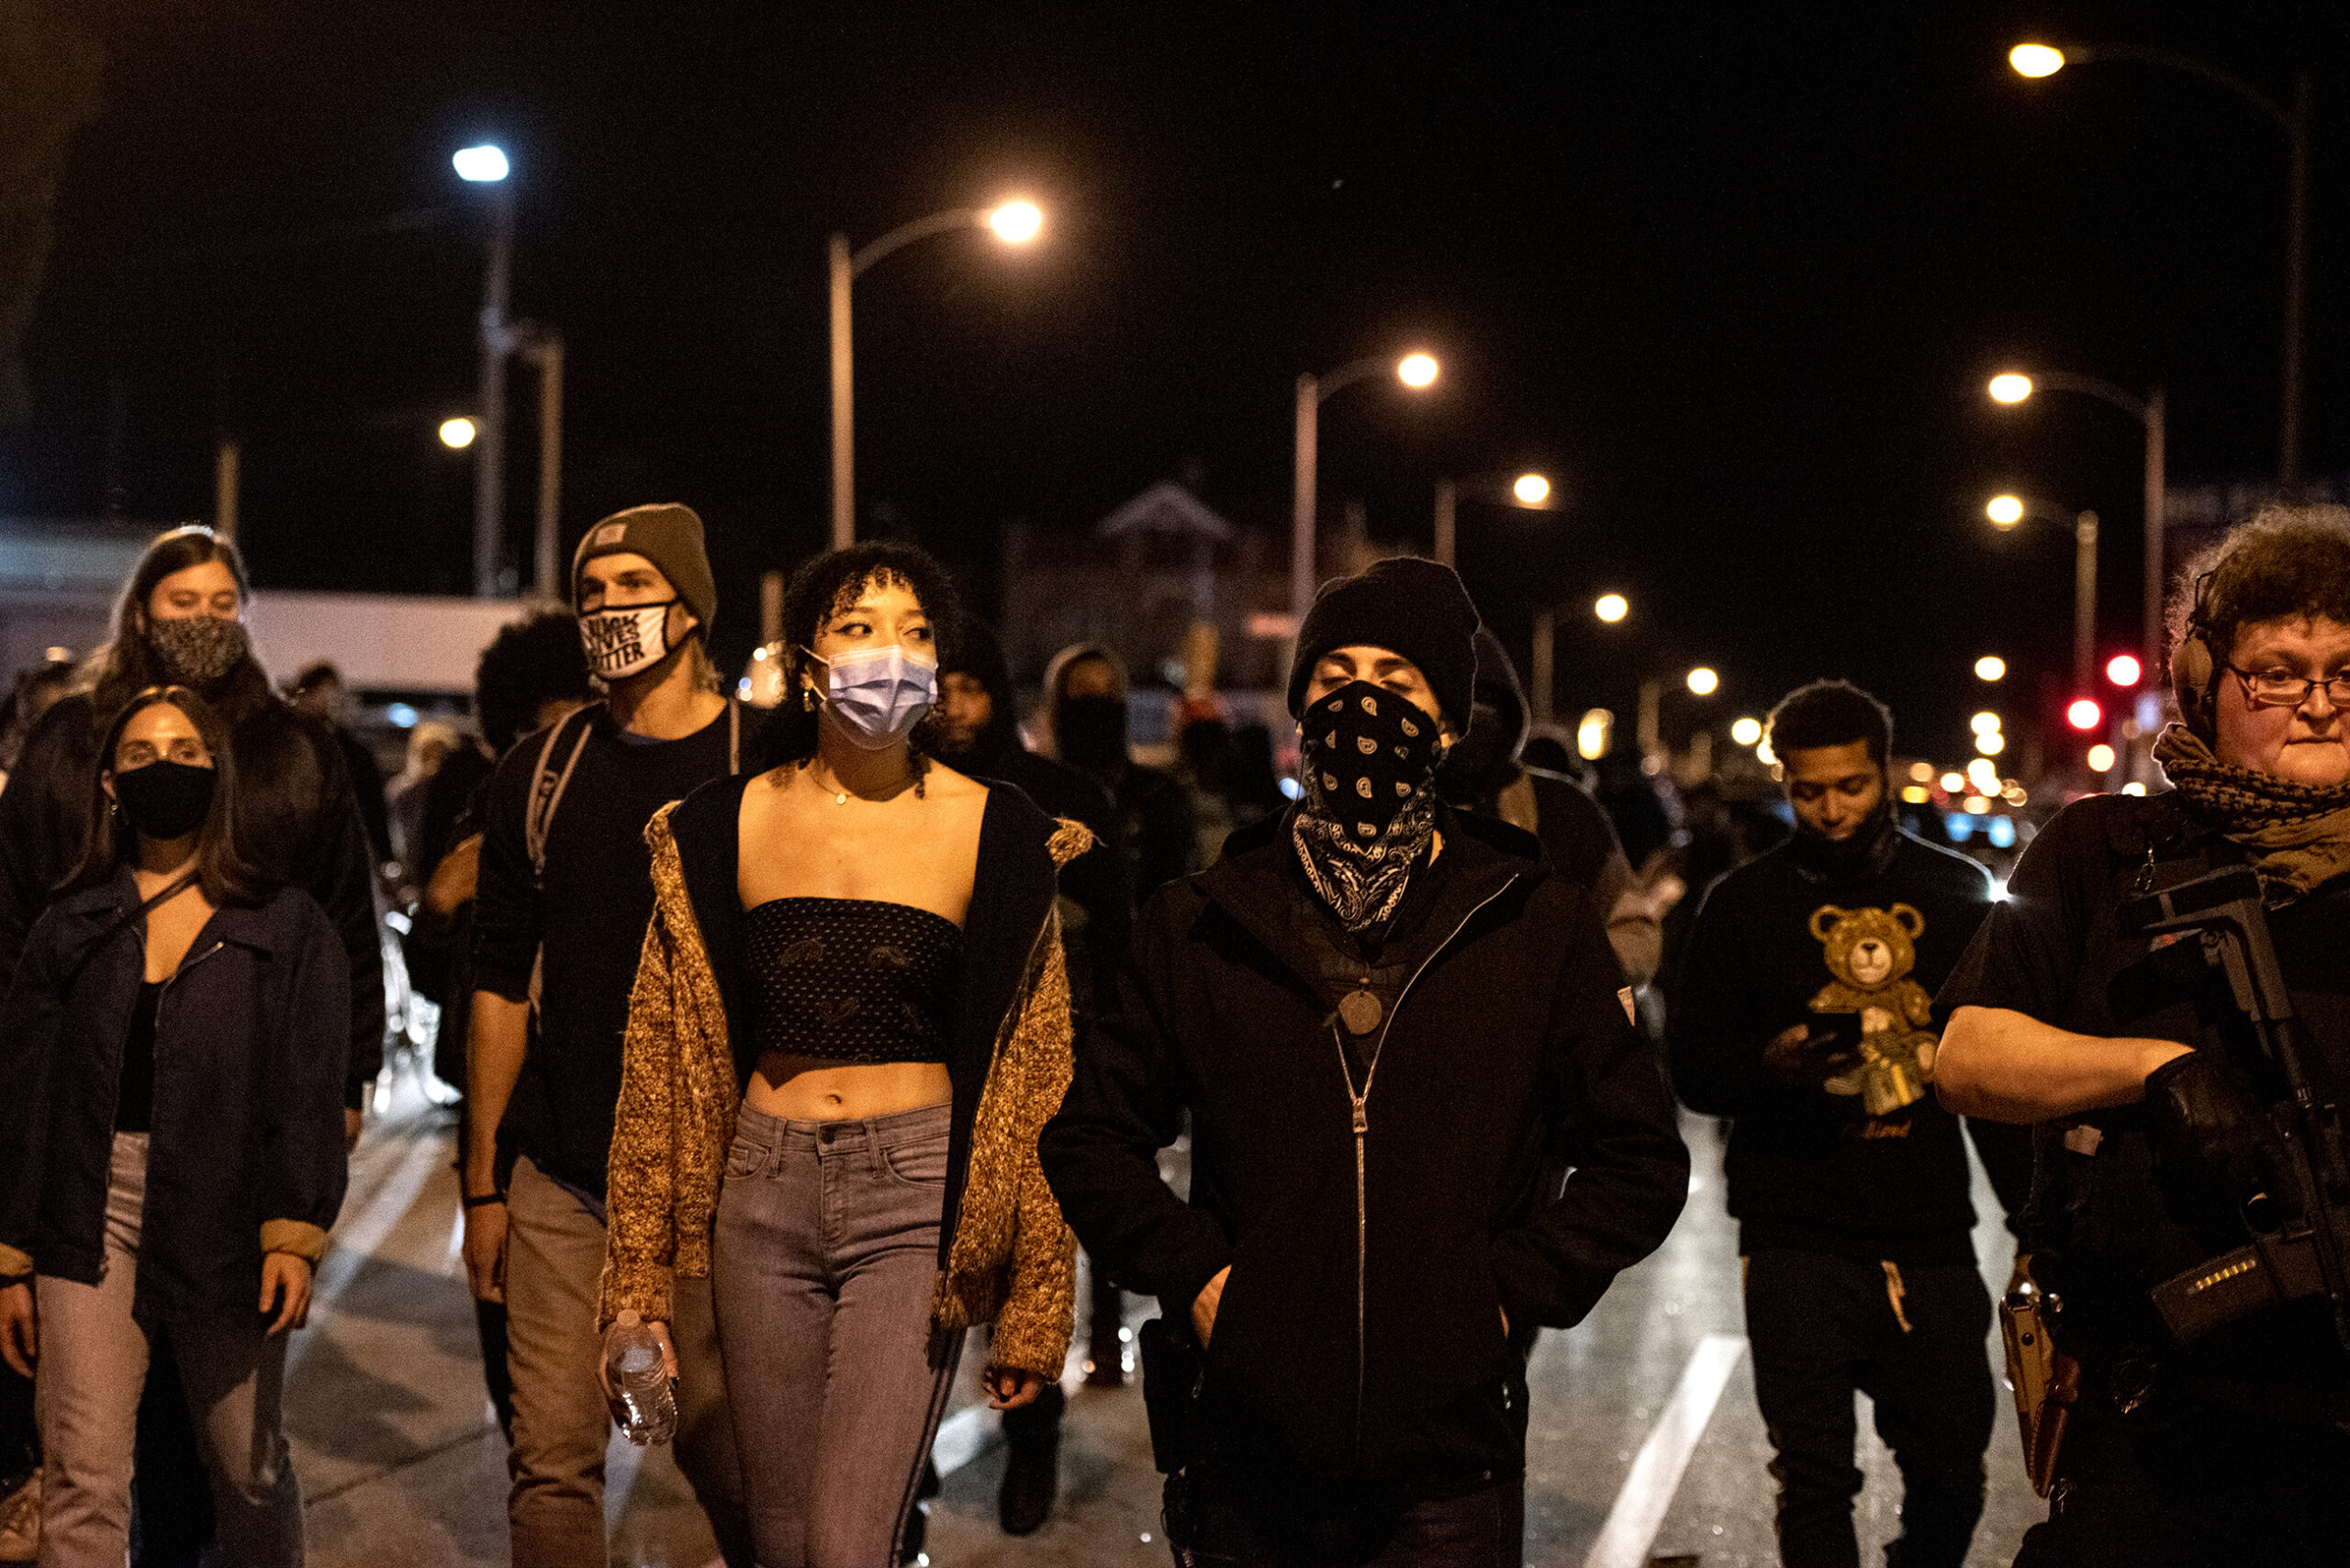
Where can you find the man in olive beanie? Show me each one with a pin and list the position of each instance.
(668, 535)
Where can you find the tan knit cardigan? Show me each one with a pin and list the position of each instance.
(1012, 1260)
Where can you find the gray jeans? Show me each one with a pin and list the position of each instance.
(92, 1369)
(825, 1260)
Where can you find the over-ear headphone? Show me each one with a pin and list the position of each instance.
(2193, 666)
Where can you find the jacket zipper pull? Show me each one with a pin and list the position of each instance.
(1362, 1117)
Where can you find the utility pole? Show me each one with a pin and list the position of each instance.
(489, 458)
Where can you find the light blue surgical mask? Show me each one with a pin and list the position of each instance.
(878, 695)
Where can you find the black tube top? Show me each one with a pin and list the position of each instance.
(851, 980)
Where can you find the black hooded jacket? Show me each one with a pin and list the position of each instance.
(1360, 1336)
(297, 819)
(1095, 931)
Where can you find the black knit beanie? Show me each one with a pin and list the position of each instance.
(1414, 608)
(669, 536)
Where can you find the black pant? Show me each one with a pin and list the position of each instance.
(2199, 1488)
(1911, 1338)
(1255, 1526)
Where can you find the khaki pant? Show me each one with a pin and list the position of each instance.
(86, 1386)
(555, 1256)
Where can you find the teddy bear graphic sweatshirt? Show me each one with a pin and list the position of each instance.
(1867, 1164)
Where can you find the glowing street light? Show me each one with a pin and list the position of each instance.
(1016, 223)
(1990, 742)
(458, 433)
(1013, 222)
(1986, 723)
(2082, 714)
(1990, 666)
(1531, 489)
(2005, 511)
(1611, 607)
(2101, 758)
(2148, 411)
(1704, 682)
(1415, 370)
(483, 165)
(2123, 669)
(1594, 734)
(2036, 60)
(1746, 731)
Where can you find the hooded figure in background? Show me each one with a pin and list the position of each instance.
(1484, 774)
(1084, 725)
(980, 735)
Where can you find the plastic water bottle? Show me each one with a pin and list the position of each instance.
(643, 1405)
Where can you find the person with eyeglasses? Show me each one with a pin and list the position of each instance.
(2156, 1120)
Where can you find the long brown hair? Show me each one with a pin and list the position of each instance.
(128, 663)
(226, 874)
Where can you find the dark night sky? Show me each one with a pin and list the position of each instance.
(1733, 275)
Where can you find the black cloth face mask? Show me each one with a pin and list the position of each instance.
(1368, 758)
(1091, 734)
(1866, 852)
(164, 800)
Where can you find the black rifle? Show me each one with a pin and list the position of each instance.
(2291, 1256)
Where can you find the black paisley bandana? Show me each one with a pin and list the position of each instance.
(1370, 801)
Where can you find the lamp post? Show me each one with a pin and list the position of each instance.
(486, 165)
(1608, 608)
(1014, 223)
(2036, 60)
(2007, 512)
(1527, 490)
(2013, 386)
(1414, 370)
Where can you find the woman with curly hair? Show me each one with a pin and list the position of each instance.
(850, 1020)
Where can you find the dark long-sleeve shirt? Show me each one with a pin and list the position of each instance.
(1809, 1167)
(587, 915)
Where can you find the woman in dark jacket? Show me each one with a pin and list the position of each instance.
(175, 1027)
(180, 620)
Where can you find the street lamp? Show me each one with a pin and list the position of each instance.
(2148, 413)
(1990, 666)
(1611, 607)
(1704, 682)
(486, 165)
(1531, 491)
(1416, 371)
(2037, 59)
(457, 434)
(2014, 510)
(1013, 222)
(1608, 608)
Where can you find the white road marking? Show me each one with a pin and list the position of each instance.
(1639, 1510)
(364, 1227)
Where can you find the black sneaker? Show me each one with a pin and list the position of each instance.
(1031, 1470)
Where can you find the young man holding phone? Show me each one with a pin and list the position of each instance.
(1803, 1010)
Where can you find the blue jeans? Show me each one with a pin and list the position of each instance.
(825, 1260)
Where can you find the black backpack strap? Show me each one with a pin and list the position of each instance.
(547, 785)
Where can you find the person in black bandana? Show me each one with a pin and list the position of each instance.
(1375, 1015)
(1801, 1009)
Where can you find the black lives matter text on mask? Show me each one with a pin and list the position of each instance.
(615, 640)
